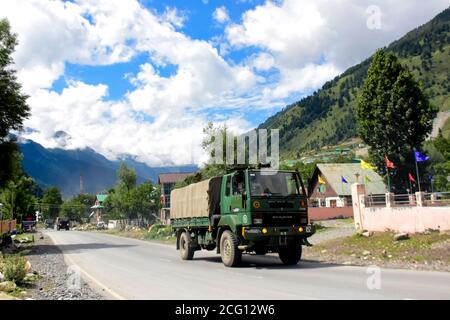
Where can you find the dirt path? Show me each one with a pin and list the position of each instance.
(338, 228)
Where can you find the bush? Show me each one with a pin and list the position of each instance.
(13, 268)
(159, 231)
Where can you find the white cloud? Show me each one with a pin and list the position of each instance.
(298, 80)
(298, 32)
(106, 32)
(299, 44)
(263, 61)
(112, 129)
(221, 14)
(173, 16)
(301, 36)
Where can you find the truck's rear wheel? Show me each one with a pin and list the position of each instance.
(231, 255)
(291, 254)
(186, 250)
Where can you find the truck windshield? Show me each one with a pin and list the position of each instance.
(279, 184)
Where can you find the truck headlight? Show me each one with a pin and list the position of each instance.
(264, 230)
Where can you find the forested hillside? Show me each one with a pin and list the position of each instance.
(327, 117)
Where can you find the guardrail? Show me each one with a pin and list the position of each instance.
(377, 200)
(436, 199)
(420, 199)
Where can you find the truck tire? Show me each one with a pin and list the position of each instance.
(231, 255)
(291, 254)
(186, 250)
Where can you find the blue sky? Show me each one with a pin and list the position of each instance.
(144, 77)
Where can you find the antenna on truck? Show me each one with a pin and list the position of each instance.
(239, 167)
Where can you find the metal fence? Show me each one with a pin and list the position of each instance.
(436, 199)
(375, 200)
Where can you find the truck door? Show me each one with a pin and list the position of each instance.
(225, 202)
(237, 192)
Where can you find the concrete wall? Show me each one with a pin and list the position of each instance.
(411, 219)
(406, 219)
(329, 213)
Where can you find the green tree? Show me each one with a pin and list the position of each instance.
(439, 164)
(394, 115)
(51, 202)
(130, 201)
(13, 106)
(127, 177)
(19, 197)
(78, 208)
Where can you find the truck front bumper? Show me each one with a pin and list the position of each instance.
(255, 234)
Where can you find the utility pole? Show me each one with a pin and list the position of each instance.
(81, 183)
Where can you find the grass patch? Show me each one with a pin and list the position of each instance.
(347, 220)
(26, 236)
(321, 228)
(13, 268)
(158, 233)
(420, 248)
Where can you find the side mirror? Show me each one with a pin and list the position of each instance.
(244, 199)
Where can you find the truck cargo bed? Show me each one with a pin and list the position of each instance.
(198, 200)
(190, 222)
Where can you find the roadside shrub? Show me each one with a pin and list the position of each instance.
(159, 231)
(13, 268)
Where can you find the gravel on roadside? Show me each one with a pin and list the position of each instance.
(58, 282)
(338, 229)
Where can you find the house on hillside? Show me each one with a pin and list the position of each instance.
(96, 215)
(167, 182)
(330, 186)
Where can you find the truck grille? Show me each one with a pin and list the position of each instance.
(278, 219)
(281, 204)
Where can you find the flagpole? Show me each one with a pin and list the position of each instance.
(389, 179)
(417, 169)
(410, 186)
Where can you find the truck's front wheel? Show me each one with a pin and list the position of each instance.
(291, 254)
(186, 250)
(231, 256)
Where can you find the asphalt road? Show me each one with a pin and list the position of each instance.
(133, 269)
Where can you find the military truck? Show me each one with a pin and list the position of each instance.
(246, 211)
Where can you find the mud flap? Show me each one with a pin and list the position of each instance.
(306, 243)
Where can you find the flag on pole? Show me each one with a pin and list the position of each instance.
(343, 180)
(411, 178)
(321, 181)
(366, 179)
(389, 163)
(421, 157)
(366, 165)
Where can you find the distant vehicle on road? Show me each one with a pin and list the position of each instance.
(248, 210)
(102, 225)
(29, 223)
(62, 223)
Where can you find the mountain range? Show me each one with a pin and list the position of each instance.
(63, 168)
(327, 117)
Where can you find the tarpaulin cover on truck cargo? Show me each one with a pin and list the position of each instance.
(200, 199)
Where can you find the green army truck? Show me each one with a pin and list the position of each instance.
(246, 211)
